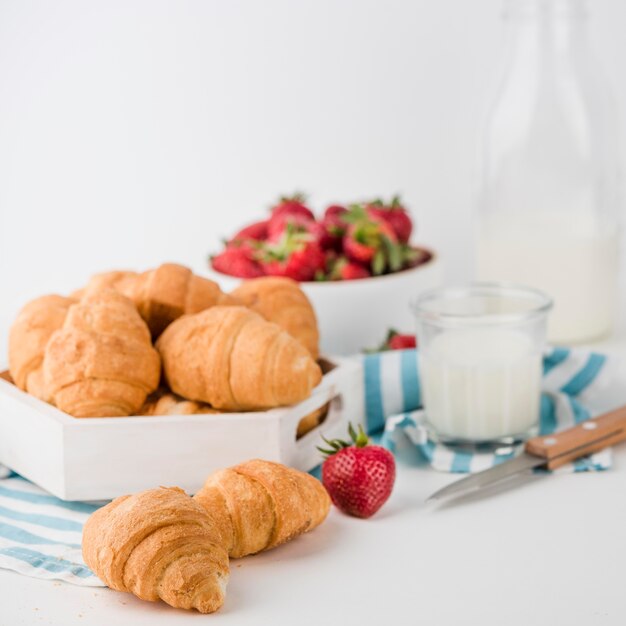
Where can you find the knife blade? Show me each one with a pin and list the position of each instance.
(547, 451)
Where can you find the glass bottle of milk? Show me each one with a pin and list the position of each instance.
(549, 199)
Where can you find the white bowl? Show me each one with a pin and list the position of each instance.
(356, 314)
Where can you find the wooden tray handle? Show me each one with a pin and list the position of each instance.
(584, 438)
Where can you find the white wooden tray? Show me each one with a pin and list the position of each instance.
(101, 458)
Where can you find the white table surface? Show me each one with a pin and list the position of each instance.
(550, 551)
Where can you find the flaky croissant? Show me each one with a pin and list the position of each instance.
(163, 294)
(28, 337)
(282, 301)
(233, 359)
(119, 280)
(101, 363)
(163, 402)
(159, 544)
(259, 505)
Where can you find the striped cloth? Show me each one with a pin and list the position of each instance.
(576, 386)
(40, 535)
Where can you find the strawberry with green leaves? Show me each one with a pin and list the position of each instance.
(292, 206)
(344, 269)
(257, 231)
(294, 254)
(372, 242)
(334, 227)
(359, 477)
(398, 341)
(395, 214)
(238, 260)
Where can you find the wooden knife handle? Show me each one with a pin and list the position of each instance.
(584, 438)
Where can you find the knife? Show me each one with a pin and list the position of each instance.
(547, 452)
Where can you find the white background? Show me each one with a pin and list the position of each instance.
(138, 131)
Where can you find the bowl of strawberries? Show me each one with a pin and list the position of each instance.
(355, 262)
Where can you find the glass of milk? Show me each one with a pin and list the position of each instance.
(480, 361)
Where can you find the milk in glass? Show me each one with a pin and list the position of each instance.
(481, 384)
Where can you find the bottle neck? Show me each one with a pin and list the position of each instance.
(552, 28)
(555, 8)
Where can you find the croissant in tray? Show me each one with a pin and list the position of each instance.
(28, 337)
(233, 359)
(163, 402)
(163, 294)
(101, 362)
(282, 301)
(159, 544)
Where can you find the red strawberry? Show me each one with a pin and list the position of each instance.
(292, 205)
(396, 341)
(334, 228)
(371, 241)
(237, 261)
(335, 210)
(257, 231)
(296, 255)
(331, 259)
(395, 214)
(299, 223)
(358, 477)
(402, 342)
(353, 271)
(343, 269)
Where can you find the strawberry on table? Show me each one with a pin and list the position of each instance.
(238, 261)
(395, 214)
(358, 477)
(398, 341)
(402, 342)
(394, 341)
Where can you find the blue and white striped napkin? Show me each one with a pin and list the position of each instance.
(576, 386)
(40, 535)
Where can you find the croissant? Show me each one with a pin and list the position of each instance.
(282, 301)
(259, 505)
(233, 359)
(163, 294)
(122, 281)
(28, 338)
(312, 420)
(167, 403)
(101, 363)
(159, 544)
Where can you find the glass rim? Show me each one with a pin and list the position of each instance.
(543, 303)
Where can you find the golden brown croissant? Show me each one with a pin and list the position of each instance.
(122, 281)
(163, 402)
(233, 359)
(282, 301)
(163, 294)
(159, 544)
(312, 420)
(101, 363)
(28, 338)
(259, 505)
